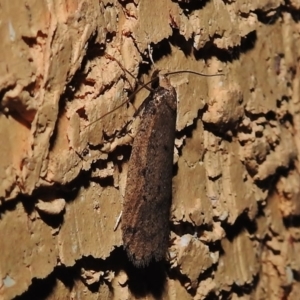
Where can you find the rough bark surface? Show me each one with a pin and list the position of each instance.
(235, 215)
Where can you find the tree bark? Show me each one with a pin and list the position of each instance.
(65, 150)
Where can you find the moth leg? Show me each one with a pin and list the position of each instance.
(118, 221)
(83, 154)
(128, 72)
(150, 51)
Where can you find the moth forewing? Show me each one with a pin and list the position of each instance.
(146, 208)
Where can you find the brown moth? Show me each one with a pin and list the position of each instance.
(146, 207)
(148, 193)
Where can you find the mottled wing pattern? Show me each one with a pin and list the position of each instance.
(146, 209)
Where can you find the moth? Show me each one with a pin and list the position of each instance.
(148, 193)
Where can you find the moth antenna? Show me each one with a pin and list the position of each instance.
(124, 102)
(145, 85)
(193, 72)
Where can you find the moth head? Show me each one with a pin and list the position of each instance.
(164, 81)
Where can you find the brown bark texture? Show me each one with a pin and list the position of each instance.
(235, 215)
